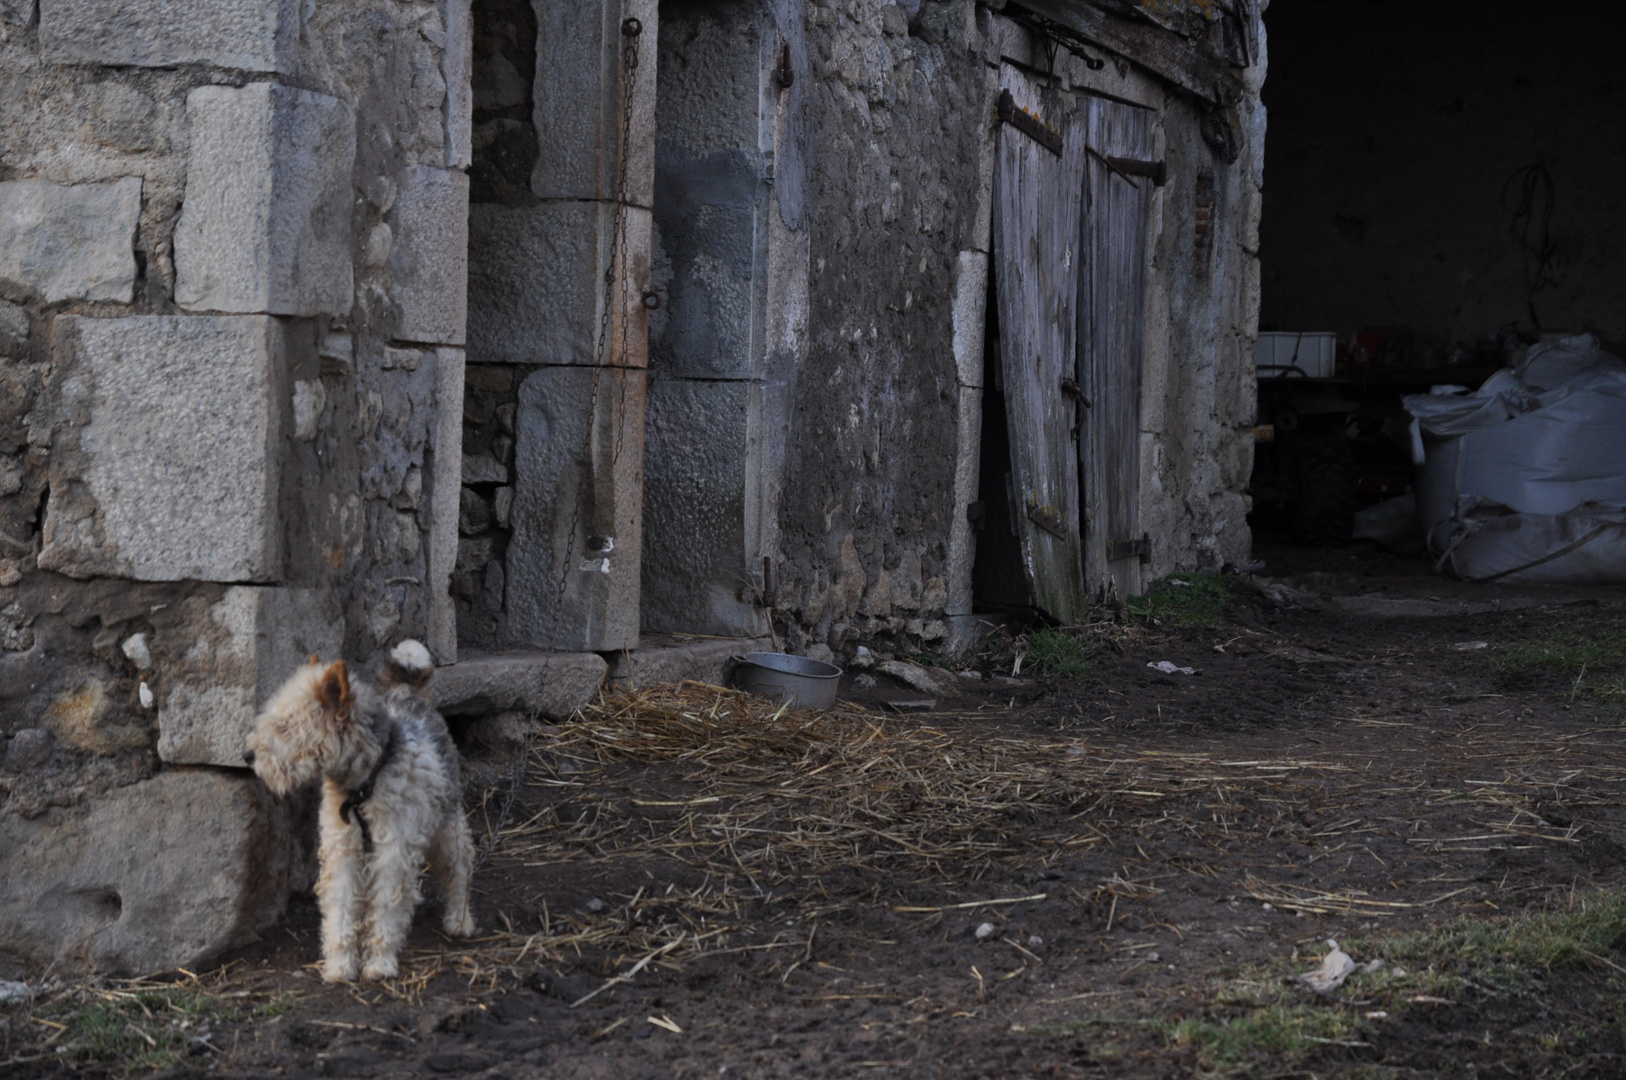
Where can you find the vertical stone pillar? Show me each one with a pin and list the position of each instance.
(716, 133)
(567, 279)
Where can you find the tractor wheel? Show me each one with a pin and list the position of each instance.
(1324, 504)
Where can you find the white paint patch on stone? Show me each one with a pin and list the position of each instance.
(265, 226)
(180, 473)
(310, 398)
(430, 257)
(251, 35)
(244, 649)
(70, 241)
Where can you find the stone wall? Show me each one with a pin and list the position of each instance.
(897, 122)
(1197, 407)
(880, 409)
(231, 295)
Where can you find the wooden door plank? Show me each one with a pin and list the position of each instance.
(1037, 198)
(1112, 341)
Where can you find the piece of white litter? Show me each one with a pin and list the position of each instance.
(145, 693)
(15, 991)
(1470, 646)
(1169, 667)
(1335, 967)
(985, 931)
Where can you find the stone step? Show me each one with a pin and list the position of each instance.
(555, 684)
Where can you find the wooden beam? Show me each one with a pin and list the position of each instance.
(1159, 51)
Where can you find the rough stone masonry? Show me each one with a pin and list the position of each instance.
(323, 325)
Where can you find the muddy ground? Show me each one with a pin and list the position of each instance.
(1115, 875)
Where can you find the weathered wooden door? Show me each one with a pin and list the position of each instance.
(1037, 194)
(1112, 341)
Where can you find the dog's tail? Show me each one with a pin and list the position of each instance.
(408, 664)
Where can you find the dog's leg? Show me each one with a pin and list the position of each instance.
(340, 890)
(393, 896)
(452, 856)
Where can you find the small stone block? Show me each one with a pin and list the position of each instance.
(177, 477)
(595, 548)
(248, 35)
(70, 241)
(246, 646)
(430, 257)
(699, 547)
(536, 284)
(553, 684)
(266, 222)
(167, 873)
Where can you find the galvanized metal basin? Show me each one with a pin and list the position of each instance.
(804, 682)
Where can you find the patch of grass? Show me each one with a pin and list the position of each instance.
(1560, 648)
(1049, 651)
(1259, 1017)
(1584, 934)
(1183, 599)
(145, 1028)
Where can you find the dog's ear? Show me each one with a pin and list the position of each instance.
(333, 691)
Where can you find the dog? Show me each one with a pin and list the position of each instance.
(391, 799)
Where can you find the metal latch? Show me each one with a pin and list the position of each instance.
(1071, 388)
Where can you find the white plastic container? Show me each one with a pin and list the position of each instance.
(1312, 353)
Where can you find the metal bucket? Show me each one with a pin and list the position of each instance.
(804, 682)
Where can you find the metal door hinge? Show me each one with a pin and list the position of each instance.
(1048, 522)
(1125, 549)
(1157, 170)
(1027, 123)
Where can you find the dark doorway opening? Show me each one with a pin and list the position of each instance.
(998, 582)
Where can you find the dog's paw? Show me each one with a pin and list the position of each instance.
(340, 969)
(461, 927)
(380, 968)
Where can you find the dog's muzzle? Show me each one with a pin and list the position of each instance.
(248, 757)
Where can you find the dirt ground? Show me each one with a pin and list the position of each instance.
(1114, 875)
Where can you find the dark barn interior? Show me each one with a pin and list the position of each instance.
(1441, 188)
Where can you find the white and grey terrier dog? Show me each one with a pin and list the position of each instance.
(391, 799)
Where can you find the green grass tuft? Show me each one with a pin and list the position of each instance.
(148, 1028)
(1183, 599)
(1559, 649)
(1057, 653)
(1259, 1019)
(1585, 934)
